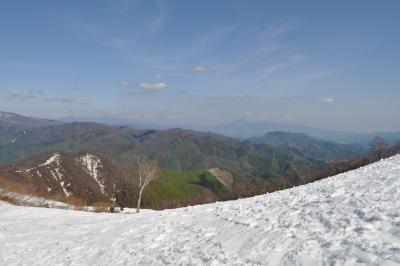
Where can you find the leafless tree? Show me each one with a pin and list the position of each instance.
(377, 147)
(147, 172)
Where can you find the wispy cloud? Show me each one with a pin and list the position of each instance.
(158, 21)
(158, 76)
(100, 36)
(277, 29)
(181, 92)
(246, 115)
(262, 57)
(199, 69)
(123, 7)
(299, 79)
(22, 95)
(230, 97)
(64, 99)
(114, 42)
(152, 86)
(328, 100)
(127, 84)
(269, 70)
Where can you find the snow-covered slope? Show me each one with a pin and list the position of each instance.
(348, 219)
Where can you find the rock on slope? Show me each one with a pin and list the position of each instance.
(349, 219)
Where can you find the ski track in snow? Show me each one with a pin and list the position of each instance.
(349, 219)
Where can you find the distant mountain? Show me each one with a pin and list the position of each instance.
(243, 129)
(84, 177)
(12, 124)
(365, 139)
(310, 146)
(248, 129)
(113, 121)
(11, 120)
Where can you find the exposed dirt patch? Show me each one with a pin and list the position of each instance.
(225, 177)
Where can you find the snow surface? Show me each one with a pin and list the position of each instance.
(34, 201)
(349, 219)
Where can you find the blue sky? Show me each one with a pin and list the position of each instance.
(329, 64)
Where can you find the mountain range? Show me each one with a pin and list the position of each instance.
(244, 129)
(195, 167)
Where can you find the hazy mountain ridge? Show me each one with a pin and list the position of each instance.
(310, 146)
(244, 129)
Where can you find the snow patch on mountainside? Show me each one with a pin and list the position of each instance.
(349, 219)
(53, 165)
(53, 159)
(92, 165)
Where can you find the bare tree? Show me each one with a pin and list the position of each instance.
(377, 147)
(147, 172)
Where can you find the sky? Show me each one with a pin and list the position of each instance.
(326, 64)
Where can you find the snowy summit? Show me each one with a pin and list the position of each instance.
(349, 219)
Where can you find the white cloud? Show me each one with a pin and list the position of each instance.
(144, 86)
(152, 86)
(199, 69)
(158, 76)
(327, 100)
(64, 99)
